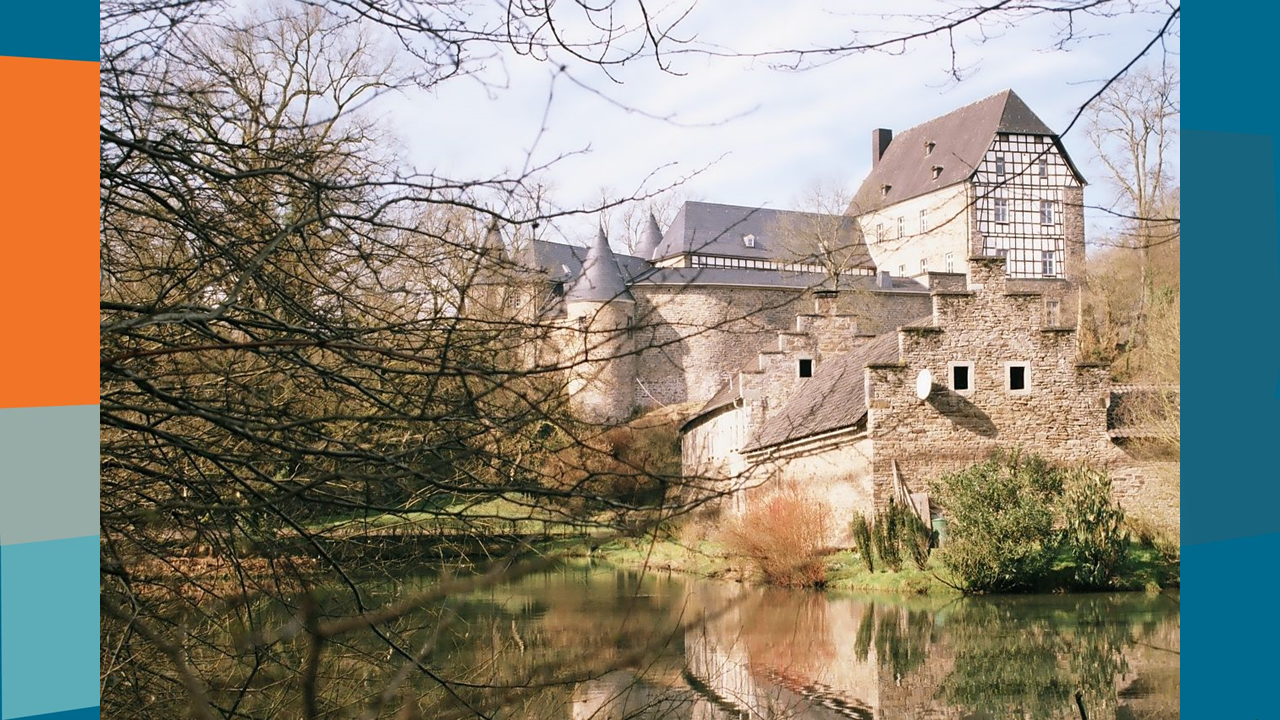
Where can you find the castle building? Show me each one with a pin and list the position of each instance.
(865, 353)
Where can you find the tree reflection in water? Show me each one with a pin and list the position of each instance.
(591, 642)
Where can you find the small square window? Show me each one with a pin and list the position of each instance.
(1017, 377)
(805, 367)
(960, 375)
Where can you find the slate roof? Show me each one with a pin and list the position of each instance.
(715, 229)
(766, 278)
(650, 240)
(563, 262)
(834, 398)
(961, 138)
(601, 279)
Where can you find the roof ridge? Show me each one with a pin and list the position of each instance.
(949, 113)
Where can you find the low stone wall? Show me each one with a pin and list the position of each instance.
(1149, 492)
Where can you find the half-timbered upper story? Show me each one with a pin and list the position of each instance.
(989, 178)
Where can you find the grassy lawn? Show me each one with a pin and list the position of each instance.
(497, 516)
(846, 571)
(1146, 569)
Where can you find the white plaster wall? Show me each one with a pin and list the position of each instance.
(948, 232)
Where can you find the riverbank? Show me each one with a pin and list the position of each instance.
(1145, 569)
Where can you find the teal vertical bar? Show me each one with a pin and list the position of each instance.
(51, 626)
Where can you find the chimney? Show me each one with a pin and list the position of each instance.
(884, 279)
(824, 302)
(880, 139)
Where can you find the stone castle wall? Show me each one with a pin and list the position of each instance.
(599, 350)
(1062, 416)
(836, 469)
(692, 339)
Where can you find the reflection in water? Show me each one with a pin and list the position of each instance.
(681, 648)
(590, 642)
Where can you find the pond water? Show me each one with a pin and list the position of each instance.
(586, 641)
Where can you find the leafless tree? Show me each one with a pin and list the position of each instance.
(314, 358)
(1133, 127)
(822, 238)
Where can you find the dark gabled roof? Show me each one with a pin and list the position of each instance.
(961, 138)
(714, 229)
(601, 279)
(563, 262)
(834, 398)
(650, 239)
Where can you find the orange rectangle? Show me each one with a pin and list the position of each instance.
(48, 232)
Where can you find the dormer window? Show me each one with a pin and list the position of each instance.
(928, 148)
(937, 171)
(749, 241)
(884, 190)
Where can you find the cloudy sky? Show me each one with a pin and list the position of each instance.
(742, 131)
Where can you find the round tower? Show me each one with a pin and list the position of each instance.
(600, 311)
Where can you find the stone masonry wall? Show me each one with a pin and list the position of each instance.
(691, 339)
(882, 311)
(1062, 416)
(600, 353)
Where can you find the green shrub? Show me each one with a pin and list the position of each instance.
(1001, 521)
(862, 538)
(915, 535)
(886, 535)
(1095, 528)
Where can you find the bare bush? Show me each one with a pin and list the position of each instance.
(784, 534)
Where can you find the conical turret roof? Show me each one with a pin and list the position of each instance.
(650, 240)
(600, 280)
(492, 246)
